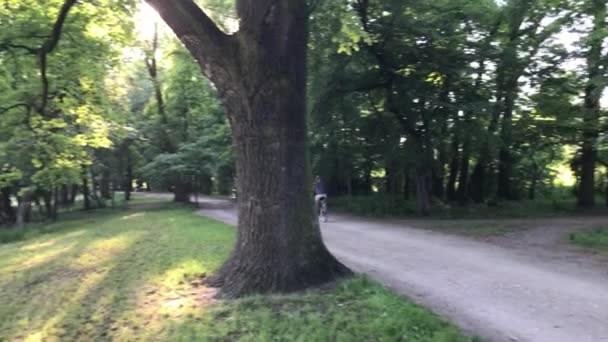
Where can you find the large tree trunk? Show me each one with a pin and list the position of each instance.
(261, 77)
(182, 192)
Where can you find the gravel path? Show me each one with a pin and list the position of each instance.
(500, 289)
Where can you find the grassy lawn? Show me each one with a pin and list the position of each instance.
(134, 274)
(597, 239)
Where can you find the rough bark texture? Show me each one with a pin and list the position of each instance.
(260, 73)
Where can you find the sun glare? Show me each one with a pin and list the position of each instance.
(146, 19)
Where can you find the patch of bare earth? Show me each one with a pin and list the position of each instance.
(161, 303)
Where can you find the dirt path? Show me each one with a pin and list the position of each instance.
(512, 288)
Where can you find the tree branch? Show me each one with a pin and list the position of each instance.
(192, 26)
(16, 105)
(47, 47)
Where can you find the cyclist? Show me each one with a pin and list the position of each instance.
(320, 198)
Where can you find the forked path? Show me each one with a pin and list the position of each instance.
(499, 292)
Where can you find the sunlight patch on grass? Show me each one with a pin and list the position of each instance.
(35, 246)
(30, 260)
(101, 251)
(132, 216)
(52, 327)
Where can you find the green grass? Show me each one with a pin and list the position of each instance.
(133, 274)
(39, 227)
(597, 239)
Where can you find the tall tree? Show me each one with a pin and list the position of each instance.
(593, 91)
(260, 73)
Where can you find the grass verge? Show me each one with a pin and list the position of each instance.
(133, 274)
(596, 239)
(392, 206)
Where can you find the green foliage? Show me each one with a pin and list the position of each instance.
(383, 205)
(597, 238)
(196, 124)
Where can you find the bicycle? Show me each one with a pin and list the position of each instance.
(322, 208)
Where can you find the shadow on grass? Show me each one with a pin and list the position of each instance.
(36, 229)
(90, 285)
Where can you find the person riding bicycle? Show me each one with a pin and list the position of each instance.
(320, 197)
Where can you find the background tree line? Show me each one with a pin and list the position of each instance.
(439, 102)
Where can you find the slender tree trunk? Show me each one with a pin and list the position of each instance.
(6, 206)
(86, 191)
(65, 195)
(453, 176)
(532, 189)
(593, 93)
(23, 210)
(55, 204)
(47, 198)
(104, 186)
(423, 193)
(73, 193)
(367, 181)
(505, 157)
(128, 182)
(463, 177)
(477, 183)
(406, 187)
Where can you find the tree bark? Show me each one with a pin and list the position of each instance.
(423, 193)
(47, 198)
(104, 184)
(65, 195)
(23, 210)
(453, 176)
(6, 207)
(86, 191)
(477, 183)
(260, 73)
(463, 176)
(73, 193)
(505, 156)
(593, 93)
(128, 182)
(182, 192)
